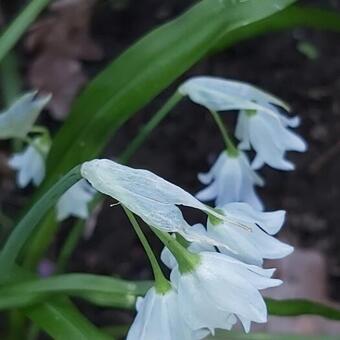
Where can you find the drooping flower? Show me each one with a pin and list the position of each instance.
(158, 317)
(17, 120)
(256, 243)
(149, 196)
(269, 136)
(30, 163)
(231, 179)
(220, 288)
(219, 94)
(74, 202)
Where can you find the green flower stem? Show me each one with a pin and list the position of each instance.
(231, 148)
(28, 224)
(149, 127)
(187, 261)
(18, 27)
(162, 285)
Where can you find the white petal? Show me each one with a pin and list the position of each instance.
(18, 120)
(150, 197)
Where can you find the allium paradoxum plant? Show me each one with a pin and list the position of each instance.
(207, 289)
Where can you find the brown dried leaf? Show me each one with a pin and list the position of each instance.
(59, 42)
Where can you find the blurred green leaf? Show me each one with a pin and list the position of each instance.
(18, 27)
(101, 290)
(297, 307)
(62, 321)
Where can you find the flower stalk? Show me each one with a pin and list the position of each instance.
(231, 148)
(162, 285)
(187, 261)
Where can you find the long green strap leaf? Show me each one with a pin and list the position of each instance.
(297, 307)
(102, 290)
(62, 321)
(113, 292)
(17, 28)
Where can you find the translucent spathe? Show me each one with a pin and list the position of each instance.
(74, 202)
(147, 195)
(219, 94)
(219, 289)
(256, 243)
(18, 120)
(231, 179)
(158, 318)
(270, 137)
(30, 163)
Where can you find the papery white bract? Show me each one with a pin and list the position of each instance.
(147, 195)
(74, 202)
(231, 179)
(17, 121)
(270, 137)
(158, 318)
(30, 163)
(256, 243)
(219, 94)
(219, 289)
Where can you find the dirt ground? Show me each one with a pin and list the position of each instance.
(187, 141)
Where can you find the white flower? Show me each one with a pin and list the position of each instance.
(218, 94)
(30, 163)
(219, 289)
(158, 318)
(147, 195)
(256, 243)
(18, 120)
(269, 136)
(74, 202)
(231, 179)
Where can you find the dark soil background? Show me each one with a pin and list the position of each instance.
(187, 141)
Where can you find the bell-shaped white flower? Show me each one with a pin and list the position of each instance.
(158, 317)
(231, 179)
(74, 202)
(256, 243)
(30, 163)
(17, 121)
(219, 289)
(147, 195)
(219, 94)
(269, 136)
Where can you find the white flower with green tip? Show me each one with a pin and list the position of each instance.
(269, 135)
(158, 317)
(18, 120)
(219, 289)
(30, 163)
(74, 202)
(231, 179)
(256, 243)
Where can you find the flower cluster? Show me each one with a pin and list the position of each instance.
(18, 122)
(217, 272)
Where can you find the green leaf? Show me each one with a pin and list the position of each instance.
(17, 28)
(55, 315)
(293, 16)
(62, 321)
(101, 290)
(301, 307)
